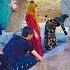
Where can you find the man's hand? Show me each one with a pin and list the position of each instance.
(40, 58)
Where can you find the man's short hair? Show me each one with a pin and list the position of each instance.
(27, 31)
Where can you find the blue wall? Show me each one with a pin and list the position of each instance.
(5, 12)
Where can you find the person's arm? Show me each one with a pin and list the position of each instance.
(36, 35)
(37, 55)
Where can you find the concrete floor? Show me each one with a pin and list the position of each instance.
(59, 61)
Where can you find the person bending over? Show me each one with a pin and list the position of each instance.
(17, 51)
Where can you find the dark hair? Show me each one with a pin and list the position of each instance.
(46, 16)
(26, 31)
(65, 16)
(31, 1)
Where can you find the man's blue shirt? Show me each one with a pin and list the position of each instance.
(16, 48)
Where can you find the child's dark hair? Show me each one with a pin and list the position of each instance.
(26, 31)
